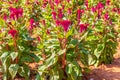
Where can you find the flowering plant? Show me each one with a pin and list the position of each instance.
(67, 36)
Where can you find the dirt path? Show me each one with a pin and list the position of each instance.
(107, 72)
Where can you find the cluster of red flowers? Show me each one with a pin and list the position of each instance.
(15, 13)
(12, 32)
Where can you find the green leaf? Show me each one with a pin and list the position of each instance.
(13, 55)
(13, 69)
(37, 77)
(98, 50)
(2, 23)
(74, 41)
(26, 59)
(82, 37)
(91, 59)
(24, 71)
(48, 62)
(35, 57)
(4, 56)
(61, 52)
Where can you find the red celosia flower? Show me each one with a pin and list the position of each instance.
(57, 22)
(12, 32)
(69, 10)
(63, 6)
(57, 2)
(107, 2)
(43, 22)
(54, 15)
(48, 31)
(86, 4)
(99, 13)
(83, 27)
(38, 38)
(15, 13)
(60, 14)
(100, 5)
(31, 23)
(5, 17)
(93, 9)
(68, 1)
(119, 11)
(44, 3)
(65, 24)
(114, 9)
(106, 16)
(79, 12)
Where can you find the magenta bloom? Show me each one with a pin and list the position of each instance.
(83, 27)
(107, 2)
(15, 13)
(94, 9)
(86, 4)
(54, 15)
(65, 24)
(100, 5)
(12, 32)
(31, 23)
(79, 12)
(69, 11)
(38, 38)
(5, 17)
(106, 16)
(57, 2)
(60, 14)
(57, 22)
(68, 1)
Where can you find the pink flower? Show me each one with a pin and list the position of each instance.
(68, 1)
(65, 24)
(86, 4)
(79, 12)
(69, 10)
(54, 15)
(38, 38)
(100, 5)
(5, 17)
(57, 22)
(60, 14)
(114, 9)
(31, 23)
(106, 16)
(44, 3)
(94, 9)
(15, 13)
(107, 2)
(57, 2)
(83, 27)
(48, 31)
(12, 32)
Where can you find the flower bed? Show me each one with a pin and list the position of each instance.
(66, 36)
